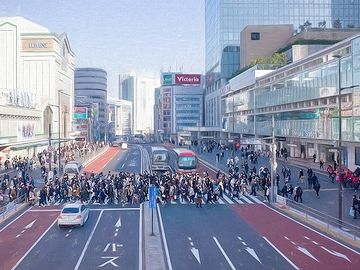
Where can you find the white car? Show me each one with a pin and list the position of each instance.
(73, 214)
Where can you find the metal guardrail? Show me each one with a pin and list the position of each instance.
(11, 207)
(332, 225)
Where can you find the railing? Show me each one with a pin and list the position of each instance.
(331, 224)
(11, 207)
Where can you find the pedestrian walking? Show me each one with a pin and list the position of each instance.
(316, 185)
(199, 197)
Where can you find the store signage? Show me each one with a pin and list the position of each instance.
(37, 44)
(80, 113)
(187, 78)
(25, 131)
(18, 98)
(225, 90)
(167, 79)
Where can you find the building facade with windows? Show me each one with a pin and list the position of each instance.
(91, 92)
(225, 19)
(36, 86)
(179, 104)
(120, 117)
(303, 99)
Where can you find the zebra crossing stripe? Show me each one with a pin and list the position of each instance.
(227, 199)
(246, 199)
(256, 200)
(238, 201)
(183, 201)
(221, 201)
(57, 203)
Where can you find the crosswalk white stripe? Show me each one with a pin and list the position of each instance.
(57, 203)
(221, 201)
(183, 201)
(246, 199)
(228, 199)
(238, 201)
(256, 199)
(173, 202)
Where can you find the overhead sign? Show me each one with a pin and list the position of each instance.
(80, 113)
(30, 45)
(187, 78)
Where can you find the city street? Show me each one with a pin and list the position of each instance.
(328, 201)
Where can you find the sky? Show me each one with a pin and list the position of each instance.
(120, 36)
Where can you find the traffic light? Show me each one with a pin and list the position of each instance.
(237, 145)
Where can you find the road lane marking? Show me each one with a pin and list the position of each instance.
(164, 239)
(278, 251)
(67, 235)
(140, 238)
(224, 254)
(220, 201)
(7, 225)
(88, 242)
(306, 252)
(45, 210)
(311, 229)
(335, 253)
(243, 197)
(111, 261)
(228, 199)
(238, 201)
(253, 253)
(196, 254)
(116, 209)
(31, 248)
(118, 223)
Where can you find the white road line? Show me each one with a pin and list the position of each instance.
(256, 200)
(243, 197)
(116, 209)
(226, 198)
(223, 253)
(88, 242)
(67, 235)
(278, 251)
(311, 229)
(15, 219)
(45, 210)
(220, 201)
(189, 238)
(140, 239)
(238, 201)
(164, 239)
(31, 248)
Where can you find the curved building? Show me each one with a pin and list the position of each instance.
(91, 92)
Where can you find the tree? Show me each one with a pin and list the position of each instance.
(275, 59)
(350, 25)
(337, 23)
(306, 26)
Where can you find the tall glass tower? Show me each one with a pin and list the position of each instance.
(225, 19)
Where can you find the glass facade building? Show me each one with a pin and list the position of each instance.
(225, 19)
(303, 98)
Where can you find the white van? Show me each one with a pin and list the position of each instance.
(72, 168)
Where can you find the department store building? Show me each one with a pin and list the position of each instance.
(36, 86)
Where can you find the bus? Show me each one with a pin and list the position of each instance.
(160, 158)
(186, 160)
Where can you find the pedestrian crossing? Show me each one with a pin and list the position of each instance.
(224, 199)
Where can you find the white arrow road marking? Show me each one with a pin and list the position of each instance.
(306, 252)
(30, 225)
(111, 261)
(335, 253)
(239, 238)
(253, 253)
(196, 254)
(118, 223)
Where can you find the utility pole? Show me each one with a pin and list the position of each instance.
(49, 153)
(273, 162)
(233, 127)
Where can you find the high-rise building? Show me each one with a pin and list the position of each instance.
(179, 105)
(91, 92)
(140, 91)
(120, 118)
(225, 19)
(36, 86)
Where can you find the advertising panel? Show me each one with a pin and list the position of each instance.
(25, 131)
(167, 79)
(80, 113)
(187, 79)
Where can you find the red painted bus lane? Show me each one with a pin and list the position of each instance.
(18, 238)
(306, 248)
(99, 163)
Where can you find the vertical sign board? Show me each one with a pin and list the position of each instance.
(152, 196)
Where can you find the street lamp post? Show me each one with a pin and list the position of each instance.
(340, 190)
(59, 117)
(273, 161)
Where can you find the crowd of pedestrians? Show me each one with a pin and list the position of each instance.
(19, 172)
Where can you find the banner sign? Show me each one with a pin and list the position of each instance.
(187, 78)
(80, 113)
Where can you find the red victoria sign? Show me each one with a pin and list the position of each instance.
(187, 78)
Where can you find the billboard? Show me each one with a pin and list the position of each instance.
(187, 78)
(25, 131)
(167, 79)
(80, 113)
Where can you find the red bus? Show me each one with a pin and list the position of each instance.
(186, 160)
